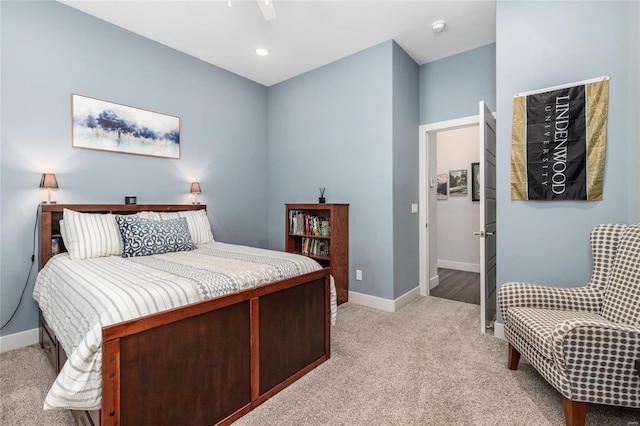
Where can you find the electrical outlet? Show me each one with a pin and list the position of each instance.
(358, 275)
(414, 208)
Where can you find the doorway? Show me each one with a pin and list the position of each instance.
(453, 215)
(428, 249)
(457, 215)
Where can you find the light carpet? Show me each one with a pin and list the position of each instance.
(426, 364)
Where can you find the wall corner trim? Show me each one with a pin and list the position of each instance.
(381, 304)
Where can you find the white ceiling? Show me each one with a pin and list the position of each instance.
(306, 34)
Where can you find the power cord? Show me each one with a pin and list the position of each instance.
(33, 259)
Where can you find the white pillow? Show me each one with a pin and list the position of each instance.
(63, 230)
(88, 235)
(197, 221)
(146, 214)
(199, 226)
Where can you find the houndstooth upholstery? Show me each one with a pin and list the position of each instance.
(622, 298)
(538, 326)
(584, 341)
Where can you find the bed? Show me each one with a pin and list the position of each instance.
(208, 360)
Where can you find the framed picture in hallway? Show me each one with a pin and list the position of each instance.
(458, 182)
(475, 181)
(442, 193)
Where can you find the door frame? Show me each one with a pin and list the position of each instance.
(427, 136)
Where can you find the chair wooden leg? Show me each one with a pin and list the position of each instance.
(575, 413)
(514, 358)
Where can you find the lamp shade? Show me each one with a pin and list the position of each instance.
(48, 181)
(195, 188)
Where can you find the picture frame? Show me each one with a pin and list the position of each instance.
(458, 183)
(109, 126)
(442, 187)
(475, 181)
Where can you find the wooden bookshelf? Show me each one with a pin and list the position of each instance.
(329, 246)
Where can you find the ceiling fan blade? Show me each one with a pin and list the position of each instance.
(268, 11)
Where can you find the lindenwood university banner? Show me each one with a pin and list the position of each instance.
(558, 141)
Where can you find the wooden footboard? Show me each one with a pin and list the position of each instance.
(212, 362)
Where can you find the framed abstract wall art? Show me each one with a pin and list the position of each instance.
(109, 126)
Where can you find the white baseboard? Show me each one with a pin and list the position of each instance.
(406, 298)
(19, 340)
(498, 330)
(459, 266)
(381, 304)
(433, 282)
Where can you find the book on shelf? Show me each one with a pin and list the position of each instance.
(301, 222)
(313, 246)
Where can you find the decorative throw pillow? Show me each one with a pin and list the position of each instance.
(89, 235)
(197, 221)
(145, 237)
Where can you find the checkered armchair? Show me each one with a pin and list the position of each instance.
(584, 341)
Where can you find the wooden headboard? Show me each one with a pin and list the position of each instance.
(50, 215)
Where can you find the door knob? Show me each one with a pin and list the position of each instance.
(484, 234)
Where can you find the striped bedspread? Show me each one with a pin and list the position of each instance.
(79, 297)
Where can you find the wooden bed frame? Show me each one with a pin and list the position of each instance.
(207, 363)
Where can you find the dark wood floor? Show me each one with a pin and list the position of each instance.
(458, 285)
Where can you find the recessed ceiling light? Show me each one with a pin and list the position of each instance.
(262, 52)
(438, 26)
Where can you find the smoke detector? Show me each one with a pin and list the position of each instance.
(438, 26)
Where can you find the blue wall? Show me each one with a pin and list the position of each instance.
(543, 44)
(332, 127)
(352, 127)
(633, 125)
(405, 172)
(452, 87)
(49, 51)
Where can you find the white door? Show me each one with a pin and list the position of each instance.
(487, 231)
